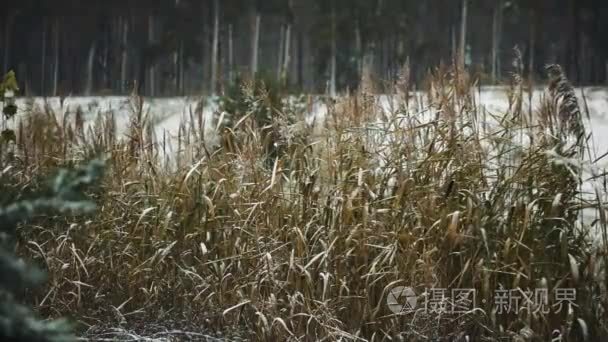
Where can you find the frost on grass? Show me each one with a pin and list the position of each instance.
(297, 227)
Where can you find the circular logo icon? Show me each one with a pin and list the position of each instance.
(401, 299)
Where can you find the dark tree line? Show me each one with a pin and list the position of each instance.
(175, 47)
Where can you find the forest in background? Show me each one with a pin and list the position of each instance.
(194, 47)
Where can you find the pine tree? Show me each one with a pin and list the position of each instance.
(66, 195)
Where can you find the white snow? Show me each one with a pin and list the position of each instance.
(168, 114)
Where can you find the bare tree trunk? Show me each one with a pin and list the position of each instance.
(532, 47)
(281, 52)
(300, 61)
(496, 39)
(583, 59)
(463, 32)
(8, 32)
(256, 43)
(205, 49)
(151, 68)
(333, 62)
(104, 63)
(43, 58)
(358, 48)
(379, 8)
(366, 83)
(215, 46)
(124, 54)
(454, 44)
(2, 40)
(573, 42)
(90, 65)
(55, 56)
(181, 86)
(230, 54)
(7, 45)
(176, 58)
(23, 75)
(287, 58)
(139, 73)
(2, 47)
(307, 60)
(385, 60)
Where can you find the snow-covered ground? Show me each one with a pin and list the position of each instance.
(168, 113)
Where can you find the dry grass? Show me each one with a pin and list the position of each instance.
(308, 245)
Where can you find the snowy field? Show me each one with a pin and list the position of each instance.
(168, 113)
